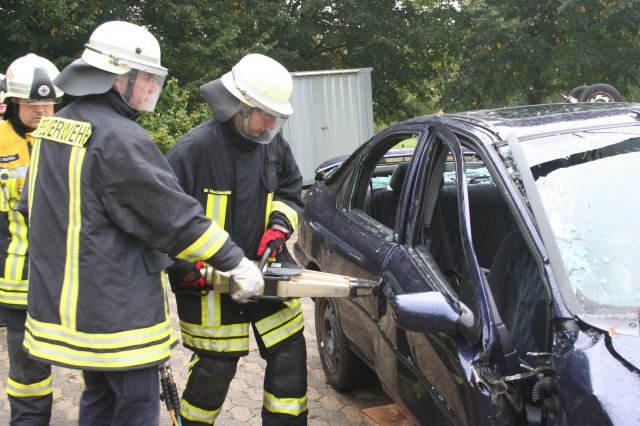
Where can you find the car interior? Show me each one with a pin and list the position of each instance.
(510, 267)
(385, 201)
(512, 271)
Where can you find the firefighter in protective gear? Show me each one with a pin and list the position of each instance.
(30, 95)
(243, 172)
(104, 211)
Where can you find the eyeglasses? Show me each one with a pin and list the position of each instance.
(148, 76)
(34, 102)
(266, 116)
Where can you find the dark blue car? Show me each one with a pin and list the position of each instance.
(507, 248)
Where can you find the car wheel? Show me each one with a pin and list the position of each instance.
(600, 93)
(575, 93)
(344, 370)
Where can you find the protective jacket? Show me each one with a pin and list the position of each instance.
(14, 163)
(29, 386)
(103, 208)
(245, 187)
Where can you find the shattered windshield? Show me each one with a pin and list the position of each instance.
(588, 184)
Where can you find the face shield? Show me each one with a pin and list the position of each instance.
(141, 89)
(141, 84)
(258, 123)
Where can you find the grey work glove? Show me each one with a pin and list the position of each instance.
(247, 281)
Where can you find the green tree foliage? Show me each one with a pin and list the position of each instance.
(397, 39)
(520, 51)
(202, 39)
(199, 38)
(54, 29)
(425, 54)
(172, 117)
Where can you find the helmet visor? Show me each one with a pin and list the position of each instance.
(36, 101)
(259, 125)
(141, 89)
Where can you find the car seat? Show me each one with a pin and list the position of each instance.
(385, 202)
(520, 295)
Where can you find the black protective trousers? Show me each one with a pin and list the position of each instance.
(24, 371)
(285, 377)
(127, 398)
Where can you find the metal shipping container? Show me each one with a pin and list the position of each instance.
(332, 115)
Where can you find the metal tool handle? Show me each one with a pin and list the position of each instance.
(265, 258)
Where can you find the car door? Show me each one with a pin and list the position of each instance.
(436, 375)
(363, 242)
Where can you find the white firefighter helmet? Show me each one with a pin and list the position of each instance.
(119, 46)
(264, 86)
(31, 78)
(261, 82)
(116, 50)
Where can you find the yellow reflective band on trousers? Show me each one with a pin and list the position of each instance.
(288, 212)
(69, 293)
(206, 245)
(102, 351)
(291, 406)
(19, 390)
(195, 414)
(218, 338)
(284, 323)
(216, 209)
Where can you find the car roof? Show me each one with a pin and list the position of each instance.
(525, 121)
(535, 120)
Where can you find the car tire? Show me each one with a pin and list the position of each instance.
(575, 93)
(345, 371)
(600, 93)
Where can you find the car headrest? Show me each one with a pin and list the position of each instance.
(397, 177)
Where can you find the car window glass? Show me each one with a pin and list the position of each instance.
(594, 222)
(378, 184)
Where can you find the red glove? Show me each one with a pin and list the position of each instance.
(185, 274)
(272, 238)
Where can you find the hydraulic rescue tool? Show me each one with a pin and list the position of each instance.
(169, 393)
(283, 281)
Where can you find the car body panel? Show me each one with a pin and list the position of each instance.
(441, 331)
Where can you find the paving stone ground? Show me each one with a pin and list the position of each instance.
(243, 403)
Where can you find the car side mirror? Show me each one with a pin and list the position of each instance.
(430, 312)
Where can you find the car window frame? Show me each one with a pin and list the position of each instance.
(425, 166)
(353, 193)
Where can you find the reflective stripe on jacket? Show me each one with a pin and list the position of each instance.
(244, 187)
(104, 207)
(14, 163)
